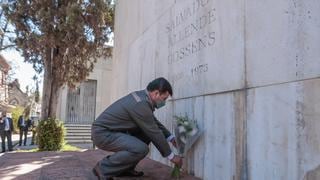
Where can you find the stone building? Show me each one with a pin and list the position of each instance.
(16, 96)
(247, 71)
(10, 93)
(79, 107)
(4, 94)
(82, 104)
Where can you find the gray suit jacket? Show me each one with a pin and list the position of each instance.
(2, 125)
(134, 112)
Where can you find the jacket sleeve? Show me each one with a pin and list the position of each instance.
(11, 124)
(164, 130)
(29, 123)
(19, 122)
(143, 116)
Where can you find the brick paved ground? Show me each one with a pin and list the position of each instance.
(68, 165)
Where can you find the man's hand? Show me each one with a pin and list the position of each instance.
(173, 142)
(177, 160)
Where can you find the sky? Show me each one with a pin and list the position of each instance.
(23, 72)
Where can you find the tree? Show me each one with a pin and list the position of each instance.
(27, 90)
(16, 112)
(6, 32)
(36, 92)
(12, 71)
(63, 38)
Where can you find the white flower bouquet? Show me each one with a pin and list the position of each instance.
(187, 133)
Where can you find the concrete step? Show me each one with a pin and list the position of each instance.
(79, 130)
(78, 141)
(78, 134)
(78, 138)
(78, 125)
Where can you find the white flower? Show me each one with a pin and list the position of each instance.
(186, 123)
(183, 139)
(193, 132)
(181, 129)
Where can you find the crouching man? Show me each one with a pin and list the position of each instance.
(126, 128)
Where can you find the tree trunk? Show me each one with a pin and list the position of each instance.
(50, 89)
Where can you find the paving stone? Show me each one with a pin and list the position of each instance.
(70, 166)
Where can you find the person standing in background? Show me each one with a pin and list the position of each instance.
(6, 128)
(34, 124)
(23, 125)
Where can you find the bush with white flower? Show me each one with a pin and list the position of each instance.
(187, 132)
(186, 128)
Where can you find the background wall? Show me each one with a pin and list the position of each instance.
(102, 74)
(247, 70)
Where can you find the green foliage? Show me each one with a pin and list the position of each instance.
(185, 124)
(37, 94)
(63, 39)
(68, 147)
(184, 121)
(175, 173)
(16, 112)
(26, 111)
(67, 35)
(50, 136)
(185, 128)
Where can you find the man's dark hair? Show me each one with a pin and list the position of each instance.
(160, 84)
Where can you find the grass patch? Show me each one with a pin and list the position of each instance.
(65, 148)
(29, 150)
(68, 147)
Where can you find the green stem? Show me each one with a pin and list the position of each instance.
(175, 172)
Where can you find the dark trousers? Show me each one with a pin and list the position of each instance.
(4, 135)
(129, 150)
(22, 132)
(34, 133)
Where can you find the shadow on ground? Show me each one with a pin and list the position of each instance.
(69, 165)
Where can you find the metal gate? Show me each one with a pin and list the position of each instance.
(81, 103)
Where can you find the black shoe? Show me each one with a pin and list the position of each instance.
(3, 151)
(96, 171)
(131, 173)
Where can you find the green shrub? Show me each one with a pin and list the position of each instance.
(50, 136)
(15, 113)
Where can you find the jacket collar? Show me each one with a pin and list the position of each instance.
(149, 99)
